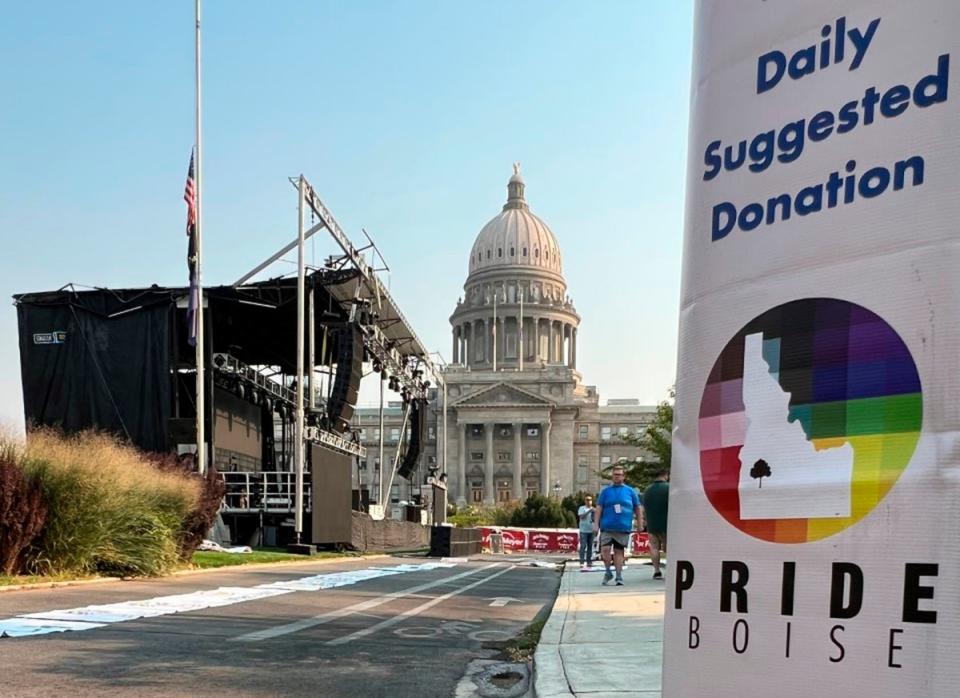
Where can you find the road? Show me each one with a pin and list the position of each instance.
(409, 634)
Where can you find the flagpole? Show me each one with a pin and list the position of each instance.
(298, 442)
(201, 403)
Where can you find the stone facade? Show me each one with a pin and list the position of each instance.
(519, 419)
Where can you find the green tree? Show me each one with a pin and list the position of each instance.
(542, 512)
(657, 440)
(573, 502)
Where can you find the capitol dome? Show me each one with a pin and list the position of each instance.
(515, 238)
(515, 312)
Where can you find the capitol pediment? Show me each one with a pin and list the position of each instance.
(503, 395)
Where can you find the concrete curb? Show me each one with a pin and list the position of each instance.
(549, 677)
(186, 573)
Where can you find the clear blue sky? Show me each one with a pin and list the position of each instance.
(405, 116)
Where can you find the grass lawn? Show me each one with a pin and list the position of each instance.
(201, 560)
(209, 559)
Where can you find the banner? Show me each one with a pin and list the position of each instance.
(815, 487)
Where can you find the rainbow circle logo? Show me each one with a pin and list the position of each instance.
(810, 414)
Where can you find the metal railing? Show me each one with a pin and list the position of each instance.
(271, 491)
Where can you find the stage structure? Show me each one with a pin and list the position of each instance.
(118, 360)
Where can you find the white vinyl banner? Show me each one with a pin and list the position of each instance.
(815, 506)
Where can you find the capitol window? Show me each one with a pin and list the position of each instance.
(488, 254)
(499, 251)
(524, 251)
(536, 252)
(605, 433)
(511, 252)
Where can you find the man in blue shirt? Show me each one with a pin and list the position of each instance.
(617, 508)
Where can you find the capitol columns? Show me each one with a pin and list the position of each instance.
(555, 342)
(545, 458)
(488, 497)
(573, 349)
(462, 467)
(536, 338)
(517, 461)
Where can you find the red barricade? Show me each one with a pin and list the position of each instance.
(542, 541)
(514, 539)
(552, 541)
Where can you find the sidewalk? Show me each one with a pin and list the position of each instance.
(602, 641)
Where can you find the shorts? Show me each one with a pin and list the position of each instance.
(618, 539)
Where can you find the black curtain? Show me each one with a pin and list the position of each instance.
(82, 368)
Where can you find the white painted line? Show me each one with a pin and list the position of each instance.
(414, 611)
(502, 601)
(89, 617)
(21, 627)
(299, 625)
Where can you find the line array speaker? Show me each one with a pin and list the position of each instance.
(346, 382)
(418, 436)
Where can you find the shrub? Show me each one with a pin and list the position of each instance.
(469, 516)
(542, 512)
(109, 510)
(573, 502)
(22, 510)
(502, 515)
(200, 518)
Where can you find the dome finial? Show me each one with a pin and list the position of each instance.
(515, 190)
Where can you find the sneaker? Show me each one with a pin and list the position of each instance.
(607, 578)
(658, 575)
(619, 581)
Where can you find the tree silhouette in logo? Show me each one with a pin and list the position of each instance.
(760, 470)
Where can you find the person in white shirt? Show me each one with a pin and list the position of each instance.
(586, 514)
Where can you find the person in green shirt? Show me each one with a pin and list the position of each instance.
(655, 500)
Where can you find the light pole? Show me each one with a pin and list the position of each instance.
(556, 490)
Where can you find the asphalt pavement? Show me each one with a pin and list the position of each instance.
(410, 634)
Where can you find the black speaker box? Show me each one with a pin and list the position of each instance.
(418, 436)
(346, 381)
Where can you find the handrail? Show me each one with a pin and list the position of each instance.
(270, 491)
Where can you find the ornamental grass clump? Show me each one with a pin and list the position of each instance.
(201, 517)
(109, 510)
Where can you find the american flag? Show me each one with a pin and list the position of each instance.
(190, 196)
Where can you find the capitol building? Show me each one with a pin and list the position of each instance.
(519, 418)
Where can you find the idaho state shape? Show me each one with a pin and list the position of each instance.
(810, 414)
